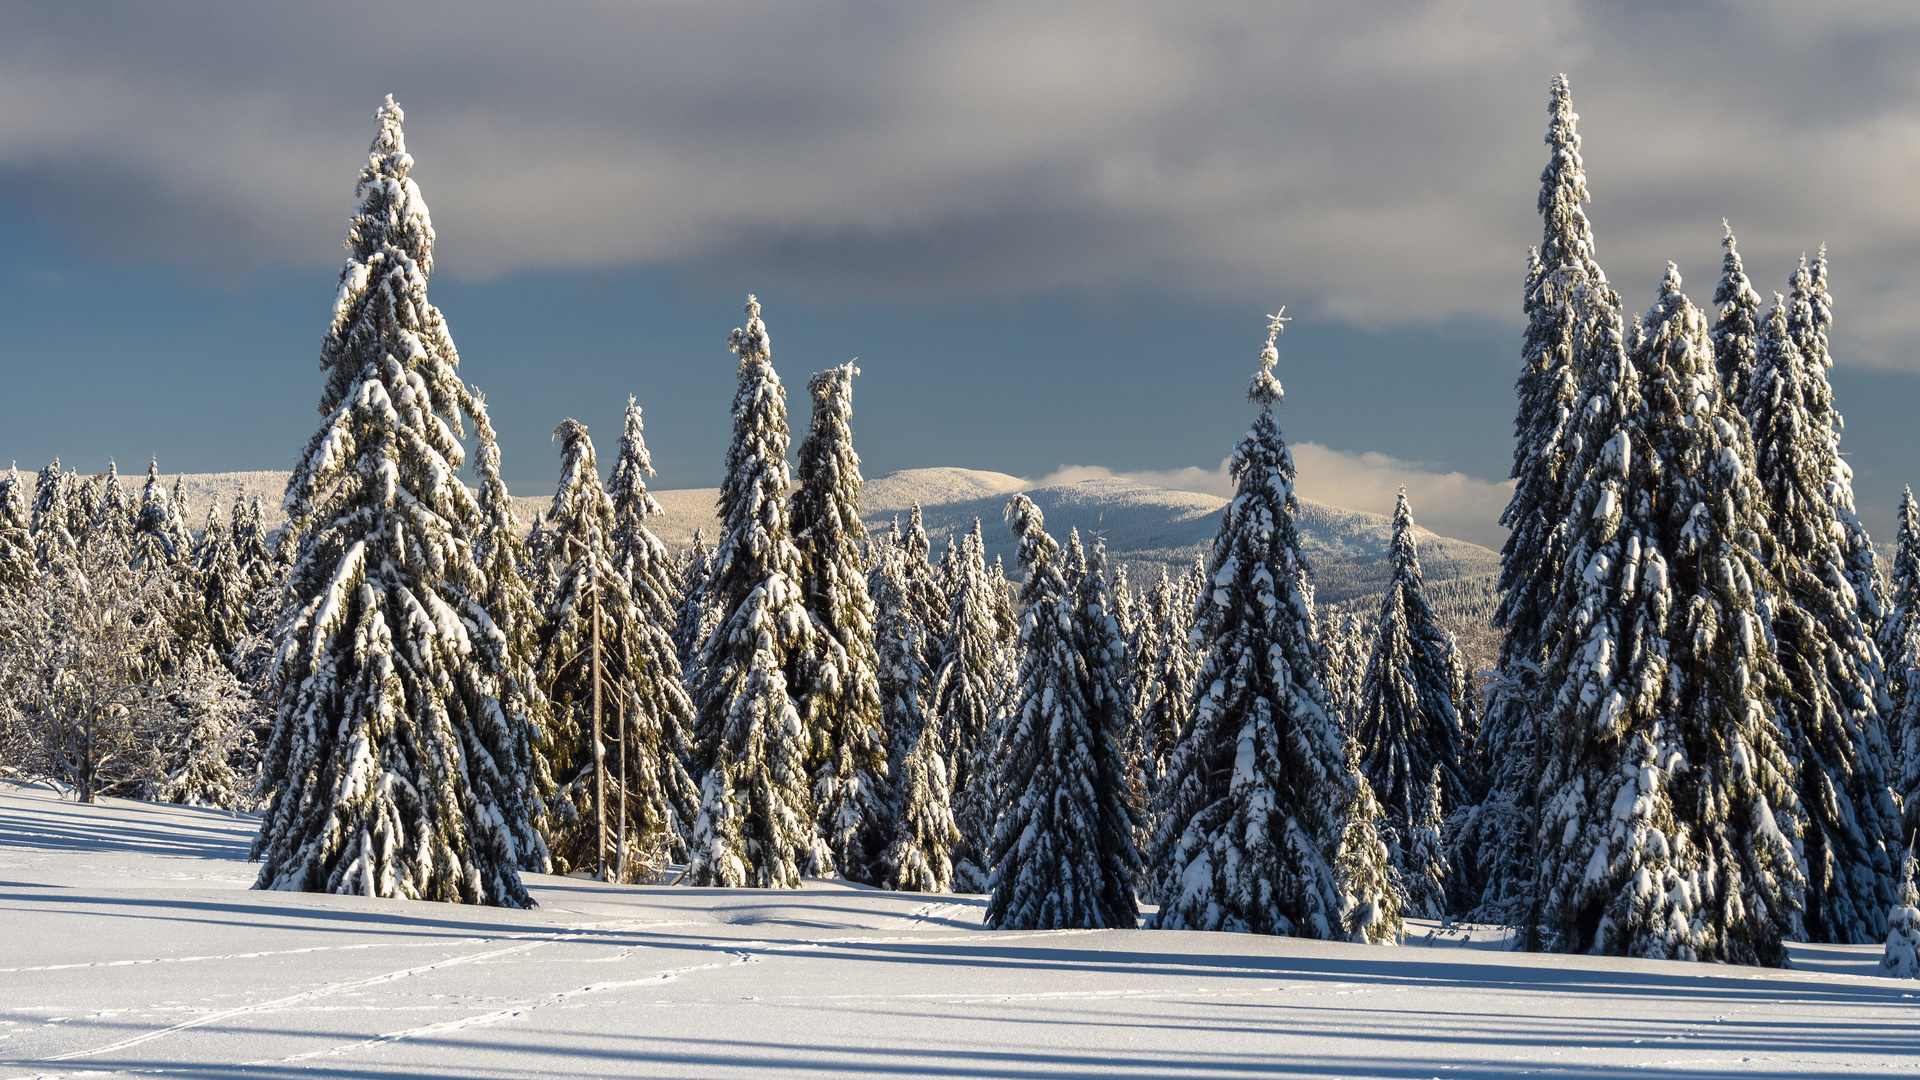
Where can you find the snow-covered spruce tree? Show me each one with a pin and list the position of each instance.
(1900, 648)
(920, 857)
(1856, 547)
(1167, 700)
(1736, 336)
(114, 514)
(1405, 723)
(17, 569)
(970, 690)
(1667, 796)
(1901, 960)
(1563, 285)
(653, 796)
(1836, 708)
(1258, 793)
(388, 666)
(840, 699)
(1103, 645)
(265, 573)
(756, 825)
(1607, 883)
(53, 544)
(1346, 637)
(1141, 627)
(925, 597)
(509, 600)
(1063, 854)
(159, 535)
(208, 753)
(663, 715)
(905, 680)
(1363, 866)
(694, 621)
(1736, 794)
(223, 593)
(83, 495)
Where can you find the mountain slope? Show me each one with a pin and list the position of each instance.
(1146, 528)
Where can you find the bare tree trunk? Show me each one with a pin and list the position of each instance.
(599, 749)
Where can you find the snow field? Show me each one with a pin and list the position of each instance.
(129, 945)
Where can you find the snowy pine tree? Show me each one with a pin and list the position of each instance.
(1063, 854)
(840, 700)
(663, 753)
(510, 601)
(920, 857)
(159, 534)
(756, 824)
(1667, 802)
(1835, 711)
(615, 781)
(225, 595)
(1900, 648)
(1565, 287)
(388, 727)
(1405, 724)
(970, 692)
(1166, 702)
(53, 544)
(1901, 960)
(1363, 867)
(1347, 639)
(17, 568)
(114, 515)
(1258, 795)
(1736, 336)
(694, 621)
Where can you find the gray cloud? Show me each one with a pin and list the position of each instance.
(1373, 162)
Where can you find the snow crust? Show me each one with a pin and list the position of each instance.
(132, 947)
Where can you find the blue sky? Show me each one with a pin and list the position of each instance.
(1049, 233)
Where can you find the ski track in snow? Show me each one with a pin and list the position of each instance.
(129, 945)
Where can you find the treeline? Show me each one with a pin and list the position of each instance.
(132, 653)
(1699, 741)
(1695, 736)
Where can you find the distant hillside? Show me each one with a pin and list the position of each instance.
(1147, 528)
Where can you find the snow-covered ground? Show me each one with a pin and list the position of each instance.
(129, 945)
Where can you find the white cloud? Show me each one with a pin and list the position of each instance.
(1449, 503)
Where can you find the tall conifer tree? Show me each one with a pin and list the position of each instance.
(1836, 708)
(756, 824)
(1900, 647)
(1666, 805)
(652, 802)
(16, 534)
(53, 543)
(159, 535)
(1258, 794)
(970, 693)
(1406, 727)
(1736, 336)
(389, 733)
(1564, 285)
(840, 699)
(1063, 853)
(661, 723)
(114, 515)
(509, 600)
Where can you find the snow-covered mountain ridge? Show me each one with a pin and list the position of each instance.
(1146, 527)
